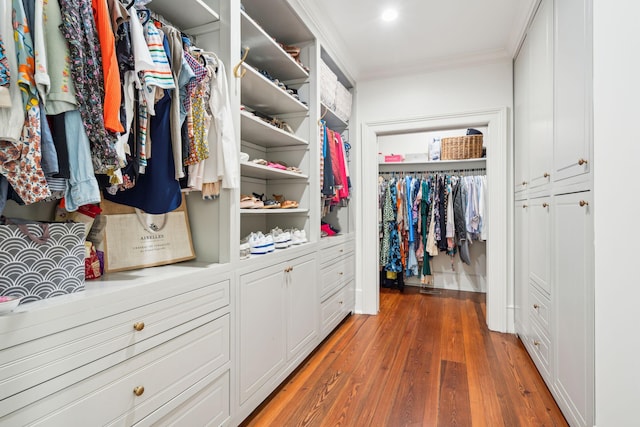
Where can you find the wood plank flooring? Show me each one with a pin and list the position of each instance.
(425, 360)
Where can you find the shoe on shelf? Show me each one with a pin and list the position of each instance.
(298, 237)
(244, 157)
(245, 249)
(258, 202)
(259, 244)
(247, 202)
(281, 239)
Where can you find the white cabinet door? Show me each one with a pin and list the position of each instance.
(302, 298)
(262, 316)
(521, 246)
(573, 81)
(521, 119)
(540, 144)
(573, 301)
(540, 243)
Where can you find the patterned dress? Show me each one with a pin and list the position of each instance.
(20, 163)
(78, 27)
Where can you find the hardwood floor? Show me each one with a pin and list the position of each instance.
(425, 360)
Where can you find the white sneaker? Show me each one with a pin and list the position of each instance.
(282, 239)
(298, 237)
(245, 249)
(260, 244)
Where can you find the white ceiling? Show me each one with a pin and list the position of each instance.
(427, 34)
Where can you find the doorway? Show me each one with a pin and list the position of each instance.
(500, 307)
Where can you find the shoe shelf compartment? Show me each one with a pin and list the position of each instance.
(261, 94)
(334, 122)
(257, 131)
(265, 53)
(189, 14)
(253, 170)
(274, 211)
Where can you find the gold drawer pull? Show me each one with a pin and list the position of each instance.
(536, 306)
(341, 273)
(138, 391)
(583, 203)
(546, 175)
(288, 269)
(138, 326)
(582, 162)
(545, 205)
(536, 343)
(340, 302)
(341, 250)
(525, 206)
(524, 183)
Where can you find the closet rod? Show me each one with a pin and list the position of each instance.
(439, 172)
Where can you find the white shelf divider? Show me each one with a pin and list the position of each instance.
(258, 132)
(261, 94)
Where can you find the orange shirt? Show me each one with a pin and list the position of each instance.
(112, 95)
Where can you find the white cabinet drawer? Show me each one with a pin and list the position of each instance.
(208, 406)
(108, 397)
(336, 274)
(332, 252)
(541, 351)
(31, 363)
(539, 308)
(335, 308)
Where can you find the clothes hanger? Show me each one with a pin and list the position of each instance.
(236, 70)
(131, 3)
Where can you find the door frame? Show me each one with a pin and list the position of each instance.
(500, 299)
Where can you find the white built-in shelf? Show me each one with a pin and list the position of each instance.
(273, 211)
(441, 165)
(279, 20)
(334, 122)
(187, 14)
(265, 53)
(253, 170)
(257, 131)
(261, 94)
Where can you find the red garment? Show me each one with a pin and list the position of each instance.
(338, 166)
(110, 70)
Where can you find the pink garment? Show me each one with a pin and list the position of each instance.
(338, 165)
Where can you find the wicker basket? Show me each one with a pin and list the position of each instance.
(461, 147)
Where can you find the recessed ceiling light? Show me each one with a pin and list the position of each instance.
(389, 15)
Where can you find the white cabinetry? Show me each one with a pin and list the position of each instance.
(521, 267)
(266, 70)
(540, 243)
(553, 226)
(277, 320)
(337, 287)
(573, 88)
(146, 360)
(574, 305)
(533, 92)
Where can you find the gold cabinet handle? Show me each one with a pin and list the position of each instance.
(536, 343)
(545, 205)
(536, 306)
(341, 250)
(288, 269)
(546, 175)
(138, 326)
(525, 206)
(582, 162)
(341, 273)
(340, 302)
(138, 391)
(524, 183)
(583, 203)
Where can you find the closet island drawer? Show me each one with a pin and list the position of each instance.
(93, 346)
(539, 308)
(128, 392)
(334, 308)
(336, 274)
(330, 253)
(541, 354)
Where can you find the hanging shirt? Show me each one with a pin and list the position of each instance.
(110, 71)
(62, 92)
(20, 162)
(11, 118)
(79, 29)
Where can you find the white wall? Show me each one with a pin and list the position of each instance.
(617, 152)
(458, 90)
(441, 91)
